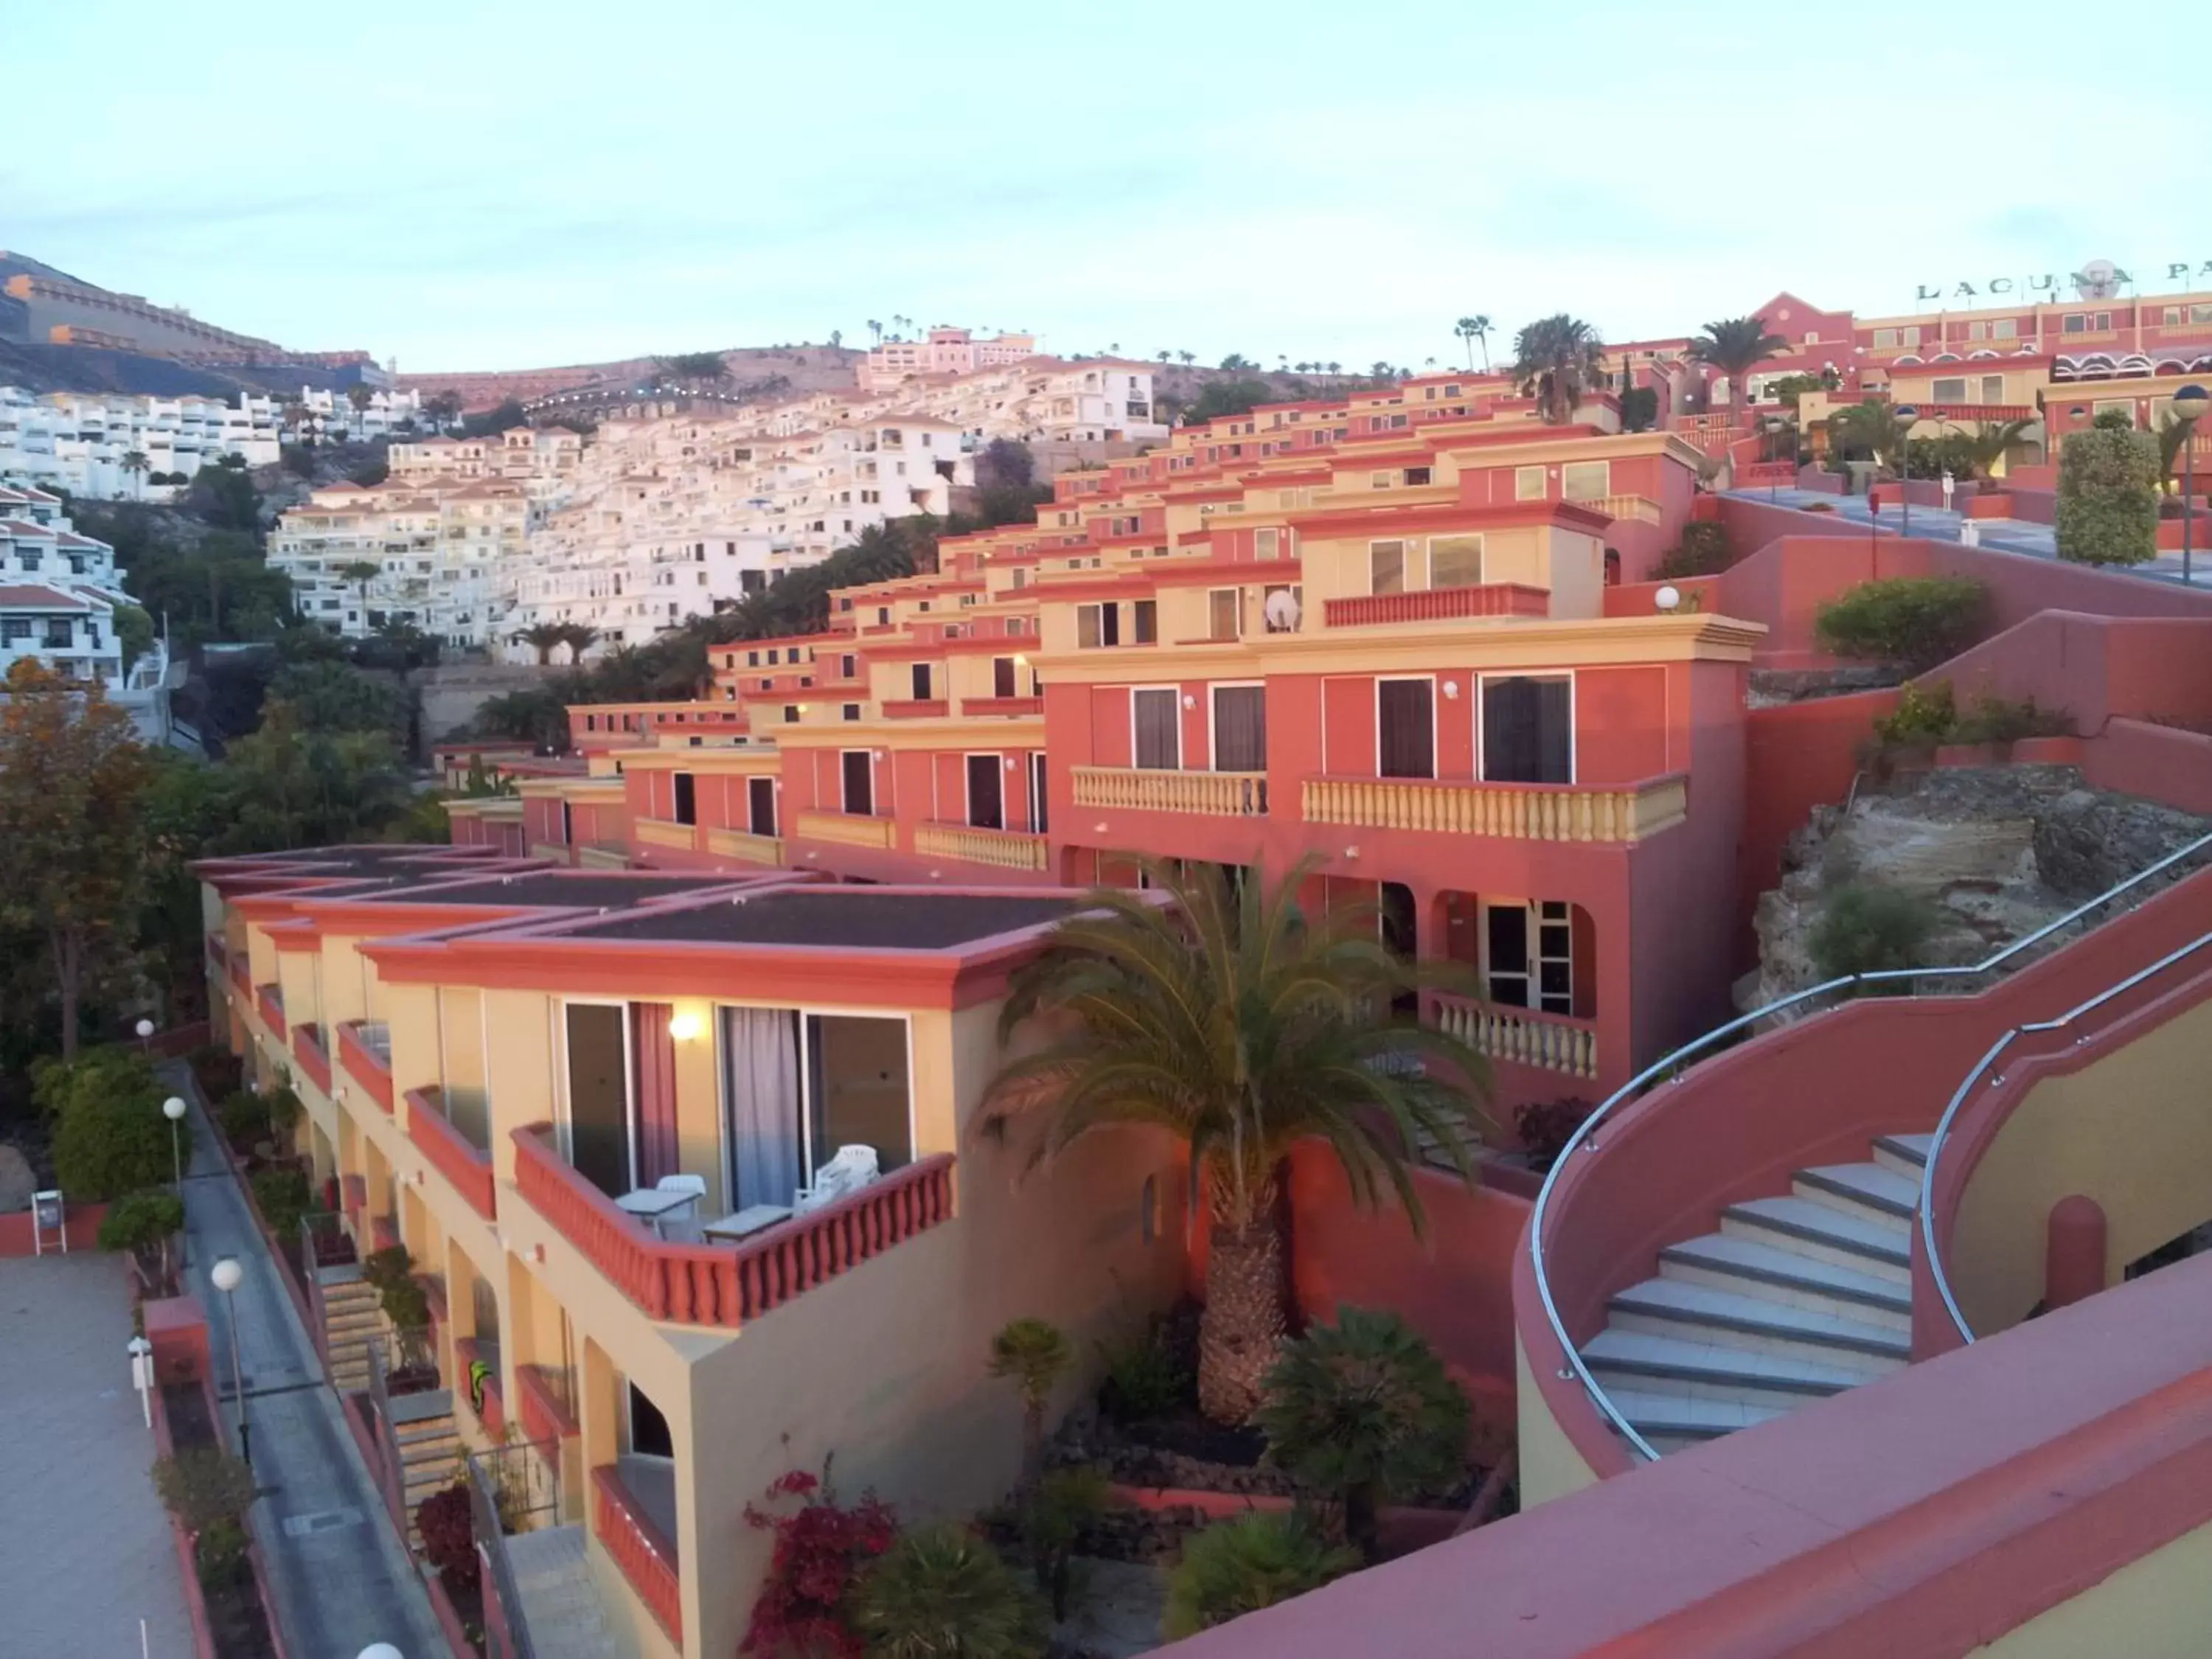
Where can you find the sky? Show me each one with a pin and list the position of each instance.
(479, 185)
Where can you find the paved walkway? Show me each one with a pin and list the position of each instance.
(88, 1552)
(2007, 535)
(341, 1579)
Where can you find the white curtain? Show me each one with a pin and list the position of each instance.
(760, 1061)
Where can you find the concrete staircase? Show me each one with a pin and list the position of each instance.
(559, 1605)
(351, 1317)
(1797, 1297)
(430, 1448)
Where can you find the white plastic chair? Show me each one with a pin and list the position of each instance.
(686, 1216)
(849, 1171)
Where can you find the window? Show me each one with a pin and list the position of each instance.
(1224, 613)
(1586, 481)
(2200, 313)
(2005, 328)
(1264, 542)
(760, 805)
(1144, 621)
(1002, 676)
(1156, 736)
(847, 666)
(859, 779)
(597, 1097)
(986, 802)
(2115, 406)
(851, 711)
(1950, 391)
(1528, 730)
(1529, 951)
(1455, 562)
(1240, 728)
(1386, 567)
(921, 675)
(1381, 480)
(1037, 817)
(1416, 476)
(1528, 483)
(1021, 577)
(1992, 388)
(1405, 728)
(687, 797)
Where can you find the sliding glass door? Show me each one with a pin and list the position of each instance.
(598, 1096)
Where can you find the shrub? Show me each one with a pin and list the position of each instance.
(389, 1266)
(1144, 1379)
(112, 1142)
(1867, 930)
(1923, 715)
(2107, 507)
(204, 1485)
(243, 1115)
(144, 1224)
(449, 1537)
(821, 1548)
(1704, 550)
(215, 1069)
(219, 1556)
(284, 1199)
(1916, 620)
(282, 1109)
(1992, 720)
(942, 1592)
(1544, 1126)
(96, 1074)
(1066, 1505)
(1240, 1566)
(406, 1304)
(1361, 1411)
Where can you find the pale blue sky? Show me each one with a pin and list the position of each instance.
(481, 186)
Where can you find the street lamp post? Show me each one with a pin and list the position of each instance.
(2190, 404)
(1905, 414)
(226, 1276)
(173, 1109)
(145, 1029)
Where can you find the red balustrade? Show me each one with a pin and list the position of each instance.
(1002, 705)
(709, 1285)
(269, 1000)
(241, 973)
(307, 1050)
(545, 1414)
(364, 1065)
(1439, 605)
(646, 1558)
(914, 708)
(383, 1233)
(449, 1152)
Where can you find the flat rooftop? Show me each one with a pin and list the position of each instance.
(838, 918)
(532, 889)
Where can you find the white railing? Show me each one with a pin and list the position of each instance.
(1552, 1042)
(1520, 811)
(1146, 789)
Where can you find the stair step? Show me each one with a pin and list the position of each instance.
(1661, 1417)
(1859, 1188)
(429, 1428)
(1825, 1233)
(1749, 1268)
(1729, 1319)
(1699, 1369)
(1906, 1154)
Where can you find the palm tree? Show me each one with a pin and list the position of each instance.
(1991, 442)
(1034, 1354)
(542, 637)
(1736, 346)
(1164, 355)
(360, 573)
(135, 463)
(1228, 1020)
(1334, 368)
(1871, 426)
(1556, 360)
(1471, 329)
(2173, 434)
(1189, 357)
(876, 329)
(578, 637)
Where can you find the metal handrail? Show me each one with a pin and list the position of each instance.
(1944, 1125)
(491, 1542)
(1584, 1137)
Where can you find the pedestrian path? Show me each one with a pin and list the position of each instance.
(341, 1578)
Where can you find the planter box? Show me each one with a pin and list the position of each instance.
(1402, 1528)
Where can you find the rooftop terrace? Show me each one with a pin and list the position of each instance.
(848, 918)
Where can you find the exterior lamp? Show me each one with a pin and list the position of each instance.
(686, 1026)
(144, 1028)
(173, 1109)
(1906, 414)
(381, 1651)
(226, 1276)
(1667, 599)
(2190, 405)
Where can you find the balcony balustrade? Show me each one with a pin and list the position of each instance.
(744, 845)
(646, 1556)
(977, 706)
(448, 1150)
(269, 1000)
(241, 973)
(1438, 605)
(365, 1052)
(728, 1286)
(1551, 1043)
(1636, 509)
(1211, 794)
(660, 832)
(546, 1398)
(1002, 850)
(914, 708)
(848, 829)
(1517, 811)
(308, 1050)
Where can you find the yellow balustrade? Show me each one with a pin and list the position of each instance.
(659, 832)
(1519, 812)
(1000, 848)
(1214, 794)
(1550, 1041)
(848, 829)
(1638, 509)
(744, 844)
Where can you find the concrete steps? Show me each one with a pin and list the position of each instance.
(1797, 1298)
(352, 1317)
(430, 1460)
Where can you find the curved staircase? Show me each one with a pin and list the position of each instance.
(1798, 1296)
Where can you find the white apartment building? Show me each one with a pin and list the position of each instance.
(58, 596)
(447, 552)
(943, 350)
(110, 447)
(332, 416)
(545, 460)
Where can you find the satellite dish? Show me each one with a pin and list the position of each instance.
(2097, 280)
(1282, 611)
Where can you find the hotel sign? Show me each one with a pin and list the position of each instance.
(2099, 279)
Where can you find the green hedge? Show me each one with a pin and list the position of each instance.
(1915, 621)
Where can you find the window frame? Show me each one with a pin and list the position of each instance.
(1174, 693)
(1574, 746)
(1430, 680)
(1213, 723)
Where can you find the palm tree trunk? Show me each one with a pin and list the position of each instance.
(1242, 1325)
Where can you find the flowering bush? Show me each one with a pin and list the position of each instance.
(449, 1537)
(820, 1549)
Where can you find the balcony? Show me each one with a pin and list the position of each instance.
(848, 829)
(916, 708)
(660, 832)
(1636, 509)
(269, 1000)
(314, 1062)
(1438, 605)
(640, 1548)
(546, 1398)
(1002, 850)
(729, 1284)
(1145, 789)
(744, 845)
(450, 1152)
(365, 1052)
(1514, 812)
(1002, 705)
(241, 973)
(1550, 1043)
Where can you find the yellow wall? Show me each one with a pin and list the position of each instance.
(2157, 1607)
(2128, 1130)
(1550, 1466)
